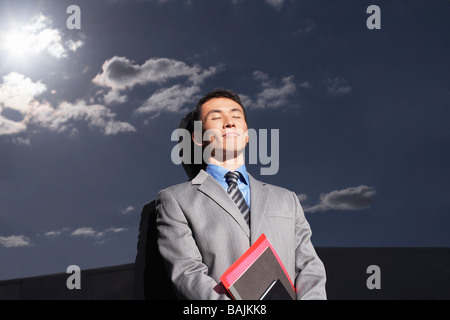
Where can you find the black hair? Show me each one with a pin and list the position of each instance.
(217, 93)
(192, 168)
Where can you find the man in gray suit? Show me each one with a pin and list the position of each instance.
(201, 230)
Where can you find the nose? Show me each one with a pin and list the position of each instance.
(229, 123)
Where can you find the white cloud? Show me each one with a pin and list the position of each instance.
(259, 75)
(116, 230)
(19, 93)
(128, 210)
(121, 73)
(338, 86)
(302, 197)
(116, 127)
(169, 99)
(275, 3)
(305, 85)
(15, 241)
(114, 97)
(21, 141)
(67, 115)
(99, 236)
(272, 95)
(95, 115)
(74, 45)
(55, 232)
(9, 127)
(86, 232)
(52, 233)
(306, 27)
(354, 198)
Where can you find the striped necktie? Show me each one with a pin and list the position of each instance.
(235, 194)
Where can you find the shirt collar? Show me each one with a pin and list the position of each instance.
(218, 172)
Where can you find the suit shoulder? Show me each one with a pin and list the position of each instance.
(279, 189)
(276, 188)
(180, 187)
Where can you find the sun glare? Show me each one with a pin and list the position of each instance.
(17, 43)
(23, 42)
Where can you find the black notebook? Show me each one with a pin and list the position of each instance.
(276, 291)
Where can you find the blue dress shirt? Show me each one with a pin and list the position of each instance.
(218, 173)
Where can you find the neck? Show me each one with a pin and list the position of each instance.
(231, 164)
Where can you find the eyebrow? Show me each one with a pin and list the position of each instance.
(221, 111)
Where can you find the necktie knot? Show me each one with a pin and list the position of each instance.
(232, 179)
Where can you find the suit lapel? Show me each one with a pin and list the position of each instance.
(211, 188)
(258, 198)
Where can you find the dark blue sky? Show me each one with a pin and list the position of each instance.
(86, 117)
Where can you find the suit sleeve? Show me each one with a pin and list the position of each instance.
(181, 255)
(311, 276)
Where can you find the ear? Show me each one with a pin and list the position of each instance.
(197, 138)
(247, 139)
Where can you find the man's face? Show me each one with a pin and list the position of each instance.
(224, 127)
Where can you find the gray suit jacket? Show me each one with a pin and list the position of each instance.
(201, 232)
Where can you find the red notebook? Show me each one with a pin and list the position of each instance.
(255, 271)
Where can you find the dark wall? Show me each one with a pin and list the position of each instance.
(405, 273)
(110, 283)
